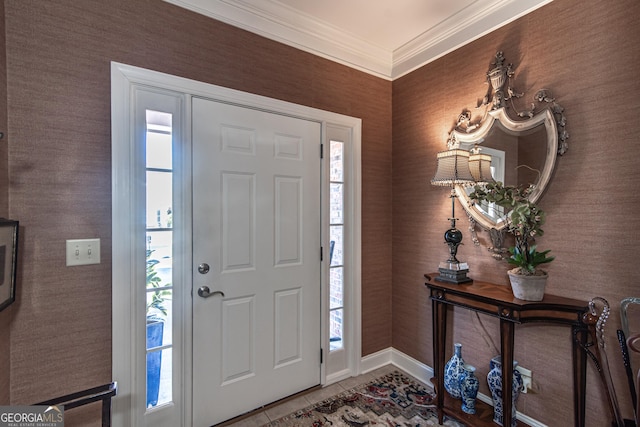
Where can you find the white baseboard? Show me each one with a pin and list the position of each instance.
(422, 372)
(376, 360)
(338, 376)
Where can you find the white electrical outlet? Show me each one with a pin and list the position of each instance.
(526, 378)
(83, 252)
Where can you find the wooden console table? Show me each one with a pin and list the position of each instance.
(498, 301)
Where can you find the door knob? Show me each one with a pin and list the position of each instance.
(205, 292)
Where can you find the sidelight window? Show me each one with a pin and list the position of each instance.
(159, 256)
(336, 248)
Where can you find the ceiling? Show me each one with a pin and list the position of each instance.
(386, 38)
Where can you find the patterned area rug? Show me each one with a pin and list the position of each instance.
(393, 400)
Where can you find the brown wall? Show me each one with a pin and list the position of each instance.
(588, 54)
(58, 67)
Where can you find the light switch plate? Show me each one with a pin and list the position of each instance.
(83, 252)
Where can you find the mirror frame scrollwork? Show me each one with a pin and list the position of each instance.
(544, 110)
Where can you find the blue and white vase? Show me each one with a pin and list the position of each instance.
(494, 378)
(452, 371)
(469, 385)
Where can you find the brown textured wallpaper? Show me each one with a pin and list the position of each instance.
(58, 67)
(587, 53)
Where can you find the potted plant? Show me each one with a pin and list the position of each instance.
(156, 315)
(524, 220)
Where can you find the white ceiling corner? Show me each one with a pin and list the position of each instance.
(378, 37)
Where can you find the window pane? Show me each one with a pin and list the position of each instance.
(159, 147)
(335, 330)
(337, 164)
(159, 318)
(159, 140)
(159, 199)
(336, 245)
(336, 288)
(159, 377)
(155, 332)
(159, 259)
(337, 204)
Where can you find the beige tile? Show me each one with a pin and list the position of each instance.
(256, 420)
(324, 393)
(349, 383)
(287, 408)
(352, 382)
(384, 370)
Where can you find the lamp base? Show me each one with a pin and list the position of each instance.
(452, 272)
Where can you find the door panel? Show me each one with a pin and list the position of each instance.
(288, 221)
(238, 221)
(288, 333)
(238, 325)
(256, 222)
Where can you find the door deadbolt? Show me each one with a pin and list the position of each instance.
(203, 268)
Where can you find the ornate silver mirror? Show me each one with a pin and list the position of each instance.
(523, 145)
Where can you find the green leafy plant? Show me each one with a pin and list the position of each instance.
(156, 306)
(524, 221)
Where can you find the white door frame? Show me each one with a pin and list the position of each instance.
(124, 79)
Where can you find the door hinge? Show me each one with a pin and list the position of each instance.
(322, 151)
(321, 253)
(321, 356)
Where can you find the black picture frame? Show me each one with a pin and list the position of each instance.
(8, 261)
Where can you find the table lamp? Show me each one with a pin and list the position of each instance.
(453, 169)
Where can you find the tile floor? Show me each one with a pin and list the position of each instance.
(262, 417)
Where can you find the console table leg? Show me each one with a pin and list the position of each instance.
(507, 331)
(439, 325)
(579, 339)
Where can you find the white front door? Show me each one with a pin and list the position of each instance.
(256, 253)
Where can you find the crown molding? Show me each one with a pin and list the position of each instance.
(458, 30)
(286, 25)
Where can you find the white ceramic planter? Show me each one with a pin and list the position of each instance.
(528, 288)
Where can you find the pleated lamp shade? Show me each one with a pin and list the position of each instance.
(480, 168)
(453, 168)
